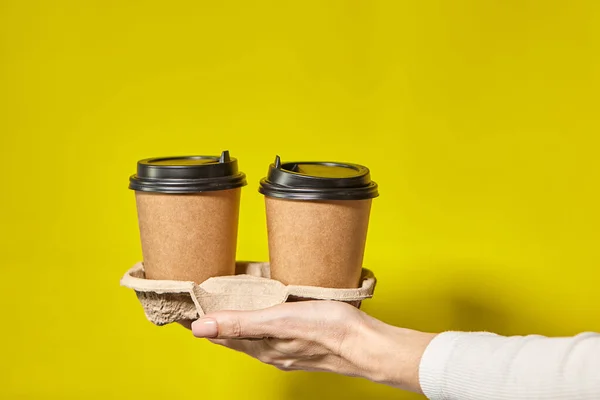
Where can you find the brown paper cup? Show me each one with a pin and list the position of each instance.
(317, 220)
(317, 243)
(188, 237)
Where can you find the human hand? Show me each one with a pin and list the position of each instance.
(321, 336)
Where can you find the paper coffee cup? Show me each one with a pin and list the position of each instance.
(188, 209)
(317, 220)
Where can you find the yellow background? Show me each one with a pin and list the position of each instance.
(479, 120)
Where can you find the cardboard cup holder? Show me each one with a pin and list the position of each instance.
(251, 288)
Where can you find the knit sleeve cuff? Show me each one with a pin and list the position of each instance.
(439, 362)
(434, 363)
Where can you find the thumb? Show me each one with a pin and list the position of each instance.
(205, 328)
(244, 325)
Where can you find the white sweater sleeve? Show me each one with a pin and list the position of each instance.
(477, 365)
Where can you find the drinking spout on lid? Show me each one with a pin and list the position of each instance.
(224, 157)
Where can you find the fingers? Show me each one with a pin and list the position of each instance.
(253, 348)
(269, 352)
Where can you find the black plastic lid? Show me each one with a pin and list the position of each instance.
(318, 181)
(188, 174)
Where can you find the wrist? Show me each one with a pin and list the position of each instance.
(395, 354)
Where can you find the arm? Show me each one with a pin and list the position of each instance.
(448, 366)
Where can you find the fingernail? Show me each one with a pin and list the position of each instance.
(205, 328)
